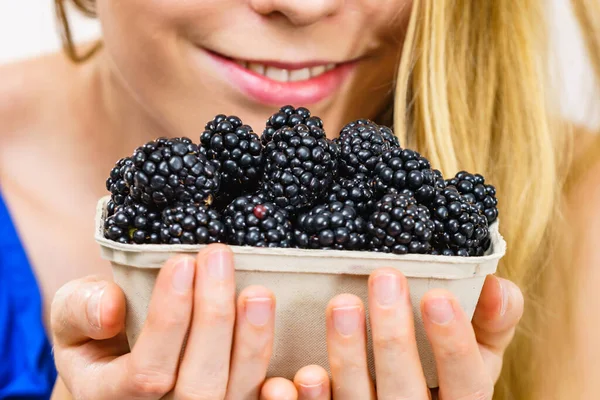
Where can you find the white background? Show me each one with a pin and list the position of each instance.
(28, 28)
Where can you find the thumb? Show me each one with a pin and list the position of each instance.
(87, 309)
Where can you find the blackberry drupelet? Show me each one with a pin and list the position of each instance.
(110, 208)
(474, 189)
(331, 226)
(236, 151)
(399, 225)
(191, 224)
(290, 117)
(406, 171)
(136, 223)
(116, 184)
(460, 228)
(170, 171)
(355, 192)
(253, 221)
(300, 165)
(361, 145)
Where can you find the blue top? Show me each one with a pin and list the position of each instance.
(27, 369)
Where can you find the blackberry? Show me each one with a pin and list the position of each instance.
(169, 171)
(460, 228)
(135, 223)
(253, 221)
(236, 151)
(191, 224)
(116, 184)
(355, 192)
(399, 225)
(474, 189)
(290, 117)
(331, 226)
(300, 165)
(361, 145)
(406, 171)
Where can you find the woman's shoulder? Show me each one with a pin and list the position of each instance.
(29, 90)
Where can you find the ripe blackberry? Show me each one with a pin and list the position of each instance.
(290, 117)
(135, 223)
(399, 225)
(191, 224)
(460, 228)
(236, 151)
(361, 145)
(331, 226)
(300, 165)
(384, 131)
(474, 189)
(253, 221)
(355, 192)
(168, 171)
(406, 171)
(116, 184)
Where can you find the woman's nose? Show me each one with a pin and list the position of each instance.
(299, 12)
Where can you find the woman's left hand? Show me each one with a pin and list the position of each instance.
(468, 354)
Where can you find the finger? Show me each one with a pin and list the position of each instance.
(278, 389)
(149, 371)
(347, 348)
(253, 342)
(312, 383)
(460, 367)
(393, 334)
(87, 309)
(498, 312)
(208, 348)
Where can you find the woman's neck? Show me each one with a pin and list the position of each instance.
(126, 124)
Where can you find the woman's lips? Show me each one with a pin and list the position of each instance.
(277, 83)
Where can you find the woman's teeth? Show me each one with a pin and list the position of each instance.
(286, 75)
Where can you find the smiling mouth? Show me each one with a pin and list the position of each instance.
(286, 74)
(278, 82)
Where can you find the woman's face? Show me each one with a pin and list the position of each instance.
(188, 60)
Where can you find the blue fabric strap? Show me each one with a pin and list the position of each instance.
(27, 369)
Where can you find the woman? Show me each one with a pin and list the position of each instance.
(471, 94)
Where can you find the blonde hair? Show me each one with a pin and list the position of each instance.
(473, 93)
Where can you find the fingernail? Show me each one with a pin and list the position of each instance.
(258, 311)
(311, 391)
(387, 289)
(439, 311)
(346, 320)
(505, 294)
(220, 265)
(94, 305)
(183, 276)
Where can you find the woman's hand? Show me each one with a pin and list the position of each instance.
(219, 362)
(468, 355)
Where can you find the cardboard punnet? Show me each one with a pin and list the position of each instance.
(303, 282)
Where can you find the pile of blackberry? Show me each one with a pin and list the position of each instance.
(295, 187)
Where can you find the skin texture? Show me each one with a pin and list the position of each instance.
(63, 126)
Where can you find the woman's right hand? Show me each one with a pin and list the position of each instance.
(219, 362)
